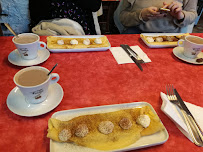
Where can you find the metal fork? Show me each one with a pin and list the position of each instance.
(172, 98)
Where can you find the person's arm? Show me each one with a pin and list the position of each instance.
(189, 11)
(91, 5)
(183, 14)
(128, 17)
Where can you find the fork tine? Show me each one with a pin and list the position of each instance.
(170, 92)
(167, 92)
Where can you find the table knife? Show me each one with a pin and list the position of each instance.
(132, 57)
(132, 51)
(190, 116)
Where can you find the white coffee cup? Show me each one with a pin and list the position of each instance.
(28, 45)
(38, 92)
(193, 45)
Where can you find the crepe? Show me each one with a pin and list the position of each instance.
(119, 138)
(52, 43)
(167, 40)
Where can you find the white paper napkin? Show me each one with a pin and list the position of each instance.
(175, 115)
(121, 56)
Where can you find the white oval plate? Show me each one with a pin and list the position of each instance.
(145, 141)
(81, 49)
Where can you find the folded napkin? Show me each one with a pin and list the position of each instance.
(122, 57)
(58, 27)
(175, 115)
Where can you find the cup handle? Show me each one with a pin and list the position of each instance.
(56, 78)
(181, 45)
(42, 45)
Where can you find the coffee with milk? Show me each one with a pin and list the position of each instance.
(32, 77)
(24, 39)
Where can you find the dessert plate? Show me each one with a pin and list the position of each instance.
(145, 141)
(15, 58)
(81, 49)
(178, 52)
(17, 104)
(160, 44)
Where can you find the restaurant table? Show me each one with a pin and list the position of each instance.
(94, 79)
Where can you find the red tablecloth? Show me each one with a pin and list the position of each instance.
(94, 79)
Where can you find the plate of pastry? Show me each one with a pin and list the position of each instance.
(78, 43)
(162, 40)
(115, 128)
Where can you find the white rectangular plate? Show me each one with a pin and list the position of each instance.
(146, 141)
(82, 49)
(160, 34)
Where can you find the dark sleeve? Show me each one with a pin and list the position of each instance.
(39, 10)
(92, 5)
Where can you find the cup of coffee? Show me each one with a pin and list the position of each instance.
(28, 45)
(34, 82)
(193, 45)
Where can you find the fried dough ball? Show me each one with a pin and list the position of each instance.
(150, 39)
(171, 38)
(98, 41)
(106, 127)
(82, 130)
(65, 134)
(86, 41)
(159, 39)
(60, 42)
(74, 42)
(143, 120)
(125, 123)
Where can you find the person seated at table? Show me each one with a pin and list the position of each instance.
(139, 16)
(76, 10)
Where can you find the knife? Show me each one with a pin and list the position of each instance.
(189, 114)
(132, 57)
(132, 51)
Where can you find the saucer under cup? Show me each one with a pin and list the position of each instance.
(28, 45)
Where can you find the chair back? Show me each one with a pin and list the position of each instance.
(187, 28)
(116, 17)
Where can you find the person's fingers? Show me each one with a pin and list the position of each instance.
(153, 11)
(165, 5)
(178, 10)
(154, 8)
(171, 5)
(173, 9)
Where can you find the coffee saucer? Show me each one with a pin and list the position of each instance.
(15, 58)
(178, 52)
(17, 104)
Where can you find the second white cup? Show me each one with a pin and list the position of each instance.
(193, 45)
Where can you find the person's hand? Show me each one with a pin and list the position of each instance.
(150, 13)
(175, 10)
